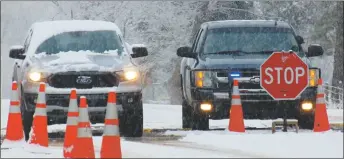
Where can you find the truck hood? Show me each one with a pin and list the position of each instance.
(79, 61)
(230, 61)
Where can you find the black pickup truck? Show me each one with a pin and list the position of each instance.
(225, 50)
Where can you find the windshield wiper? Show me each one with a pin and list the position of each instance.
(264, 52)
(244, 52)
(228, 52)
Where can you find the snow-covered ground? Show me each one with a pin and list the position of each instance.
(197, 144)
(169, 116)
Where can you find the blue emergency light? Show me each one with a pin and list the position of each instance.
(235, 74)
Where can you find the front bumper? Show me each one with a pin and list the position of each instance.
(57, 99)
(247, 95)
(256, 103)
(58, 103)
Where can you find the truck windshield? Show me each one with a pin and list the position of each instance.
(95, 41)
(255, 40)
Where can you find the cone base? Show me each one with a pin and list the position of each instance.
(14, 130)
(321, 122)
(39, 132)
(236, 122)
(83, 148)
(111, 147)
(70, 137)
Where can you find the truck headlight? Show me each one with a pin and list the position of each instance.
(127, 74)
(313, 77)
(307, 106)
(203, 79)
(35, 76)
(130, 75)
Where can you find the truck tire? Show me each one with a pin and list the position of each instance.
(27, 118)
(132, 123)
(200, 121)
(306, 121)
(186, 114)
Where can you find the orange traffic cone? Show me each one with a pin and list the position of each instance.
(14, 130)
(111, 144)
(39, 129)
(236, 122)
(321, 122)
(83, 144)
(72, 125)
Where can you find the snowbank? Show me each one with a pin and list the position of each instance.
(4, 112)
(286, 145)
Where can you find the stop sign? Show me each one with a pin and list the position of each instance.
(284, 75)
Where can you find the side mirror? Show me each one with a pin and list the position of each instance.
(300, 39)
(186, 52)
(314, 50)
(139, 50)
(16, 52)
(129, 47)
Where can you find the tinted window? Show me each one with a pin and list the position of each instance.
(250, 39)
(199, 41)
(196, 40)
(96, 41)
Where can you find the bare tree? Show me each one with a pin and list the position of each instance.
(57, 4)
(338, 77)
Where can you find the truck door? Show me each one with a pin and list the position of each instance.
(19, 63)
(190, 64)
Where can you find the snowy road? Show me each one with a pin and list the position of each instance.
(201, 144)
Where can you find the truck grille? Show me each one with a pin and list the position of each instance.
(226, 86)
(245, 72)
(93, 100)
(249, 86)
(88, 80)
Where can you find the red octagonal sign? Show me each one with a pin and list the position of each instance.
(284, 75)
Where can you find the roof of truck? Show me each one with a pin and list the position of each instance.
(246, 23)
(58, 26)
(46, 29)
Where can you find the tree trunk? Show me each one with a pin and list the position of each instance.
(174, 85)
(338, 77)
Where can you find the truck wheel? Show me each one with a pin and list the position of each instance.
(132, 123)
(27, 118)
(27, 123)
(186, 114)
(306, 121)
(200, 121)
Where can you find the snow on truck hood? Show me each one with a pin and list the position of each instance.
(80, 61)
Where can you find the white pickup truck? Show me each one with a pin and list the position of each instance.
(90, 56)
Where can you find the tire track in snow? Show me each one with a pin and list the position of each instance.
(191, 145)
